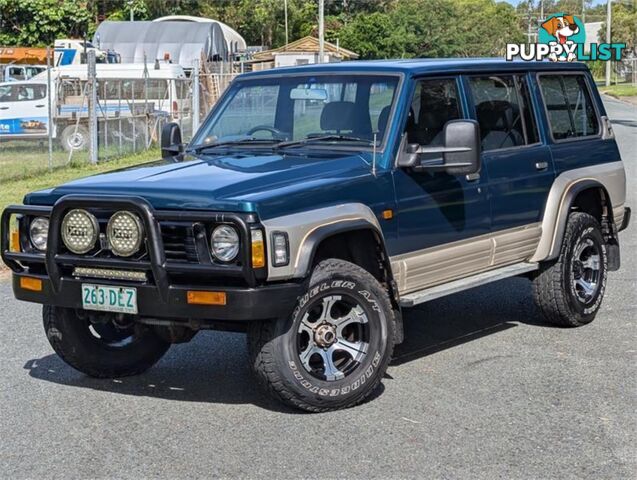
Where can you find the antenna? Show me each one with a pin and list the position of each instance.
(374, 156)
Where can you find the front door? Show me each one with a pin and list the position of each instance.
(438, 212)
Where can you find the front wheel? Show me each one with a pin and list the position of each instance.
(102, 345)
(333, 350)
(570, 290)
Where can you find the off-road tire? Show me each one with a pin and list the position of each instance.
(71, 339)
(273, 352)
(553, 288)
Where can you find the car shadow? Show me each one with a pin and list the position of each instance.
(213, 367)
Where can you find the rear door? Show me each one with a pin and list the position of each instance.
(518, 161)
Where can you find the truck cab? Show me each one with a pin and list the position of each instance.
(315, 204)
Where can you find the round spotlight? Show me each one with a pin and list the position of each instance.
(124, 232)
(224, 243)
(80, 231)
(39, 232)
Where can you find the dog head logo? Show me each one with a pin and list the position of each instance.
(565, 30)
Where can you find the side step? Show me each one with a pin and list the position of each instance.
(438, 291)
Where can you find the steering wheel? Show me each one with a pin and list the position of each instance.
(276, 133)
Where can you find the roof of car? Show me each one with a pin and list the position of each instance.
(416, 66)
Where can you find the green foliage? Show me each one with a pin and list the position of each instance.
(40, 22)
(432, 28)
(623, 27)
(372, 28)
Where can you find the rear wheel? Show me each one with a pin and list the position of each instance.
(334, 349)
(102, 345)
(570, 290)
(74, 137)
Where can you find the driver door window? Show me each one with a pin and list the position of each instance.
(435, 102)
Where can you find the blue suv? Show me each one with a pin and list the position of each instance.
(315, 203)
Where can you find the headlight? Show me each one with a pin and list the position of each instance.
(79, 231)
(39, 232)
(124, 232)
(224, 243)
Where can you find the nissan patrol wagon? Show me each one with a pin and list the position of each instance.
(316, 203)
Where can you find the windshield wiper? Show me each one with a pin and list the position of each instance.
(324, 138)
(238, 141)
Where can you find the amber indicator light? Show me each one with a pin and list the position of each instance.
(388, 214)
(33, 284)
(195, 297)
(14, 241)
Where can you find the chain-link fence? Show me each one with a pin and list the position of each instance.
(56, 120)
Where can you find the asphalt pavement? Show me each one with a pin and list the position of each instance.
(481, 389)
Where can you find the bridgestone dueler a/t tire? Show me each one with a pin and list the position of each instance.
(72, 341)
(273, 350)
(552, 286)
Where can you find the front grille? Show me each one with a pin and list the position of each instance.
(179, 243)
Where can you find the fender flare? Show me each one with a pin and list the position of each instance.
(554, 222)
(307, 229)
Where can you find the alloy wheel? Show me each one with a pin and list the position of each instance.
(586, 270)
(333, 337)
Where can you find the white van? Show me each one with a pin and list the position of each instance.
(124, 90)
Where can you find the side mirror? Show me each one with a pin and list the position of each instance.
(171, 144)
(459, 154)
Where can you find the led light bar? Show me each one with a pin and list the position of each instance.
(110, 274)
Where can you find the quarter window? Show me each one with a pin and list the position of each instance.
(503, 110)
(569, 106)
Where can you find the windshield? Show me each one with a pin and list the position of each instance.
(321, 108)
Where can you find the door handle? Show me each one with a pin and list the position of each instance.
(39, 106)
(472, 177)
(4, 108)
(541, 165)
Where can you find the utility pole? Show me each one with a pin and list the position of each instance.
(584, 12)
(541, 10)
(285, 7)
(130, 5)
(321, 31)
(608, 19)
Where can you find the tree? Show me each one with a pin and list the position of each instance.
(623, 27)
(433, 28)
(40, 22)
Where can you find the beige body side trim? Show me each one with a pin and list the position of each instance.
(611, 175)
(299, 226)
(436, 265)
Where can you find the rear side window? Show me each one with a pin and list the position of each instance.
(504, 111)
(569, 106)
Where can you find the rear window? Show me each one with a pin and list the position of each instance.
(569, 106)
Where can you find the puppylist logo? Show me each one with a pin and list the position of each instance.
(562, 38)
